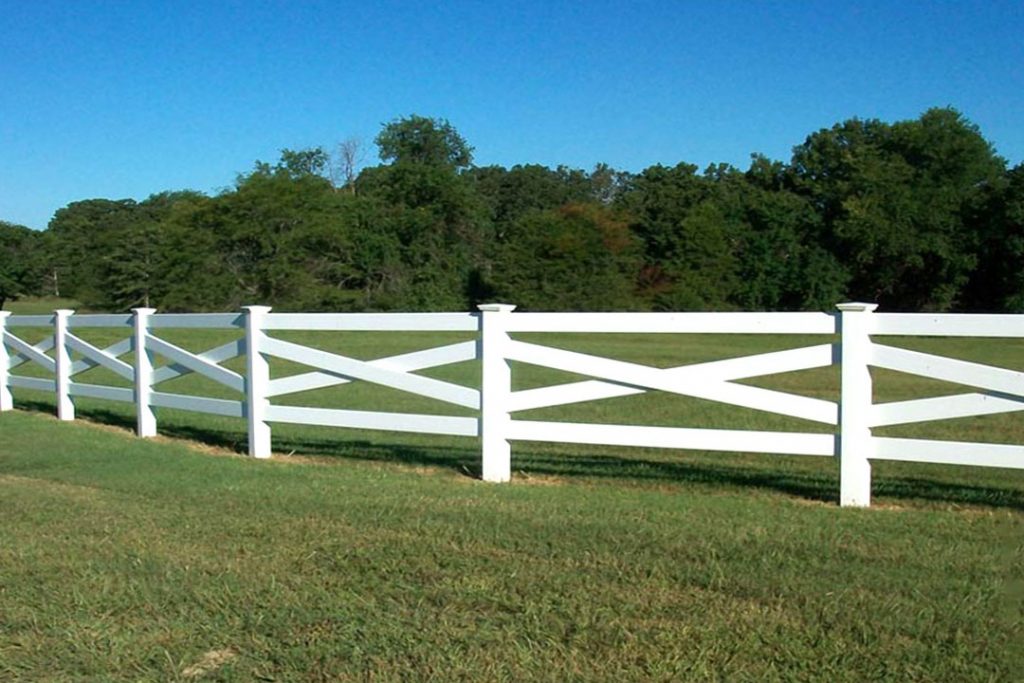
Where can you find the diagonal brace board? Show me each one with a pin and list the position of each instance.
(220, 354)
(356, 369)
(19, 359)
(407, 362)
(195, 363)
(115, 350)
(32, 353)
(942, 408)
(100, 357)
(729, 369)
(948, 369)
(700, 381)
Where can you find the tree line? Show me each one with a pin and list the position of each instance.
(917, 215)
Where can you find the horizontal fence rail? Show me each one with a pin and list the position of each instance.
(145, 360)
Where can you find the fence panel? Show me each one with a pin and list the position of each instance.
(64, 353)
(712, 380)
(393, 372)
(1002, 388)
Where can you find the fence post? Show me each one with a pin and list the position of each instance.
(145, 418)
(6, 400)
(855, 400)
(257, 382)
(62, 357)
(495, 387)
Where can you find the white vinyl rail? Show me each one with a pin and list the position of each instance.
(63, 354)
(1001, 390)
(713, 380)
(395, 372)
(143, 345)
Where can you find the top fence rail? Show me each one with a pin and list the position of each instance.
(31, 320)
(946, 325)
(233, 321)
(222, 321)
(691, 323)
(124, 320)
(374, 322)
(894, 324)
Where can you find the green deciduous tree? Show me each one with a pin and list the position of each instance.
(253, 239)
(20, 263)
(997, 284)
(421, 140)
(82, 234)
(783, 264)
(893, 199)
(578, 257)
(428, 214)
(688, 242)
(512, 193)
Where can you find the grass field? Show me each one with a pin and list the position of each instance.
(368, 556)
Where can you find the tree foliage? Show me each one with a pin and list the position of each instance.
(915, 215)
(893, 200)
(20, 262)
(420, 140)
(576, 257)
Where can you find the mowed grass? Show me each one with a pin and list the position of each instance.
(125, 560)
(374, 556)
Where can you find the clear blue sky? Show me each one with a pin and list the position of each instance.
(123, 99)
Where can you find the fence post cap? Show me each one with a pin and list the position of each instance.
(64, 312)
(497, 308)
(4, 314)
(143, 311)
(856, 307)
(256, 309)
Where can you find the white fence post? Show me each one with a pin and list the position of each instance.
(855, 447)
(495, 387)
(145, 418)
(257, 382)
(62, 356)
(6, 400)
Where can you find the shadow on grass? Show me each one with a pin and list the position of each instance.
(773, 476)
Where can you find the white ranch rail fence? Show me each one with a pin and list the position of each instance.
(853, 413)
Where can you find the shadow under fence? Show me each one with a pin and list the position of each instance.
(816, 480)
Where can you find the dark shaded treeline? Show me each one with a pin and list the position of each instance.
(914, 215)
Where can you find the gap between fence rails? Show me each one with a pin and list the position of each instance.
(853, 413)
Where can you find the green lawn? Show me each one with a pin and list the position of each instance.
(127, 560)
(375, 557)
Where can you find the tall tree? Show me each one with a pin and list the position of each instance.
(430, 211)
(688, 238)
(782, 263)
(512, 193)
(580, 257)
(350, 156)
(82, 234)
(20, 266)
(893, 200)
(258, 228)
(997, 284)
(421, 140)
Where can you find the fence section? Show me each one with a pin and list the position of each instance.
(715, 381)
(1002, 390)
(63, 353)
(394, 372)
